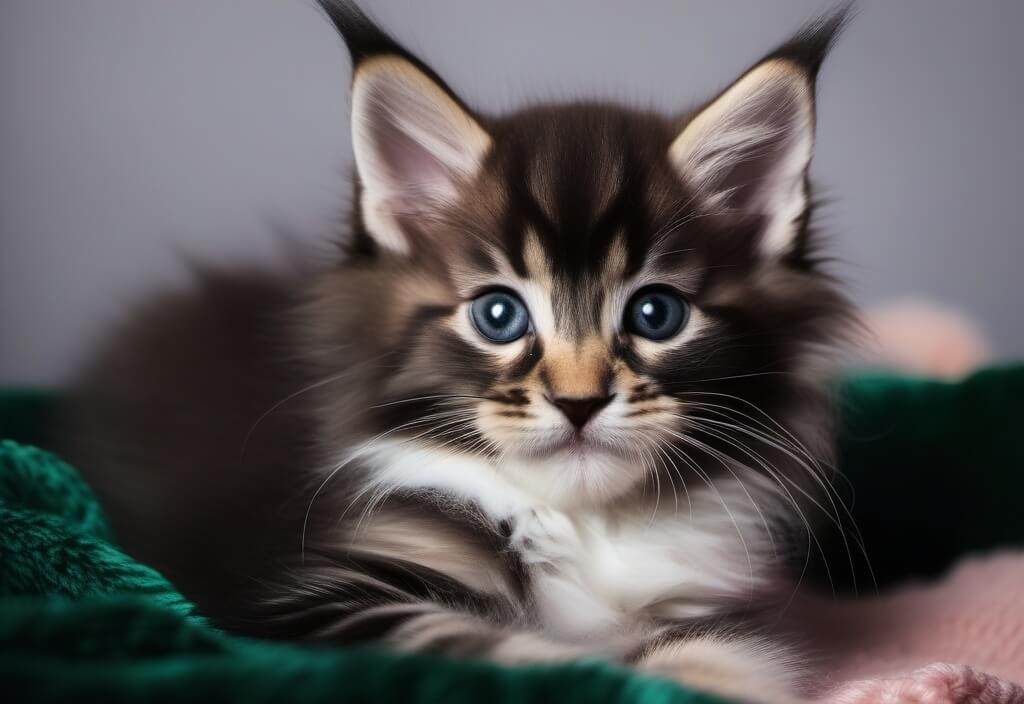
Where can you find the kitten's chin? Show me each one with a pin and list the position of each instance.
(571, 446)
(574, 473)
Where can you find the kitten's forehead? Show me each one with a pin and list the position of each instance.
(570, 211)
(582, 181)
(576, 302)
(578, 166)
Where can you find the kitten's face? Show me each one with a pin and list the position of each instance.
(579, 295)
(579, 301)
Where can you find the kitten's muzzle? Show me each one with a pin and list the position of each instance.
(580, 410)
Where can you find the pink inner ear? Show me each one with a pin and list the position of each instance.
(763, 160)
(418, 181)
(416, 173)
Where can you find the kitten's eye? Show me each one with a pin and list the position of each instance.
(500, 316)
(656, 313)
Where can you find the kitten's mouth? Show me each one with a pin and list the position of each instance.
(578, 444)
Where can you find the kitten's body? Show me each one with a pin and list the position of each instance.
(354, 461)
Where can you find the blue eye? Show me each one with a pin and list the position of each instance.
(656, 313)
(500, 316)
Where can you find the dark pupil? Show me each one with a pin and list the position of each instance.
(499, 312)
(654, 312)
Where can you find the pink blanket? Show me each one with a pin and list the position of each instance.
(959, 640)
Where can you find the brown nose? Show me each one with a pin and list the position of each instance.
(580, 410)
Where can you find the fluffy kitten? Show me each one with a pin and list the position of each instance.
(556, 399)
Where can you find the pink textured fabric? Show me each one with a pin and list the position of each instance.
(959, 640)
(935, 684)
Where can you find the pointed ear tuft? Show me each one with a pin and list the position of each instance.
(746, 153)
(809, 47)
(365, 40)
(414, 140)
(362, 37)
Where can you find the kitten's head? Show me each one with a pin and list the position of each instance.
(582, 293)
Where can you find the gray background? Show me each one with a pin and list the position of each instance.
(132, 131)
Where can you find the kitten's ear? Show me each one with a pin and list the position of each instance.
(746, 153)
(414, 141)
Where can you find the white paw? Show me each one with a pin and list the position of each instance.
(544, 535)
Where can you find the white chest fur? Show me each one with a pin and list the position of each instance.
(599, 572)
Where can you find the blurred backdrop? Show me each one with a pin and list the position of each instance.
(136, 132)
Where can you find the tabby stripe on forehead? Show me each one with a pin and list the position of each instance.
(481, 258)
(630, 214)
(577, 307)
(523, 214)
(616, 220)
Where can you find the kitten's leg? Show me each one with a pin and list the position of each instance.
(428, 627)
(409, 608)
(744, 668)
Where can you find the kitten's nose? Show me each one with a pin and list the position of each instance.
(580, 410)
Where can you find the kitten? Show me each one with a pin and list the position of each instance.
(558, 398)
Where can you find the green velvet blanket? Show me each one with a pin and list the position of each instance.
(936, 467)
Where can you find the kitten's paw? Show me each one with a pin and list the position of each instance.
(544, 535)
(745, 670)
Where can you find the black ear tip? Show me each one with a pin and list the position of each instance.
(362, 36)
(809, 47)
(365, 40)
